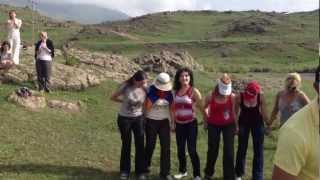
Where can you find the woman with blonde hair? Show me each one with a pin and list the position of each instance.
(44, 54)
(289, 100)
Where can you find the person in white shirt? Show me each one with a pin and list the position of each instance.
(44, 54)
(14, 25)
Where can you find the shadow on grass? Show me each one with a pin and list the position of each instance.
(67, 172)
(70, 172)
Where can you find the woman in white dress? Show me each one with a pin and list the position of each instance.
(14, 25)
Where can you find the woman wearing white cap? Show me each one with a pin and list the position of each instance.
(221, 118)
(158, 114)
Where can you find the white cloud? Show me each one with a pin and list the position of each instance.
(139, 7)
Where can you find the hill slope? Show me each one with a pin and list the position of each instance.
(57, 30)
(223, 41)
(82, 13)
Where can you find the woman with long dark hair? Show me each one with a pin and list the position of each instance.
(132, 95)
(5, 56)
(186, 99)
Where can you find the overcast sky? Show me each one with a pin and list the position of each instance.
(140, 7)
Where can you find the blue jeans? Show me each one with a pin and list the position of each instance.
(257, 133)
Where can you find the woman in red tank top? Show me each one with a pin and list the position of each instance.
(221, 119)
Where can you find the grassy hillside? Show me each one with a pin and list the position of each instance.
(222, 41)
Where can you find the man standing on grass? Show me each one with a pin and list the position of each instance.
(298, 151)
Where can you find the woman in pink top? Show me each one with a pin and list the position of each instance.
(186, 97)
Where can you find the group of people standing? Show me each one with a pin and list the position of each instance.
(44, 52)
(157, 109)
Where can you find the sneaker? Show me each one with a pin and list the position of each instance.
(124, 176)
(142, 177)
(197, 178)
(168, 177)
(206, 177)
(181, 175)
(238, 178)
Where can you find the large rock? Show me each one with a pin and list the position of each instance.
(65, 106)
(34, 102)
(104, 65)
(63, 77)
(167, 61)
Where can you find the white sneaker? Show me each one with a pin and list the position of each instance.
(181, 175)
(238, 178)
(197, 178)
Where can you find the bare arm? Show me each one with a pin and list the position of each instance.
(279, 174)
(264, 108)
(304, 98)
(206, 110)
(237, 105)
(233, 99)
(198, 98)
(116, 96)
(275, 110)
(17, 23)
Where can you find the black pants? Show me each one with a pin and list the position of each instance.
(228, 150)
(257, 133)
(43, 74)
(161, 128)
(186, 134)
(128, 125)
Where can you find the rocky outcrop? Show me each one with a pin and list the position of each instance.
(37, 102)
(34, 102)
(65, 106)
(104, 65)
(167, 61)
(63, 77)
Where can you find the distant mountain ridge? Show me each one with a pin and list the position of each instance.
(82, 13)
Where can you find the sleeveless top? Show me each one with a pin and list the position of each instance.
(250, 116)
(288, 109)
(221, 114)
(183, 105)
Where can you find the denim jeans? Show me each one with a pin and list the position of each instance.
(186, 134)
(257, 133)
(161, 128)
(127, 125)
(228, 150)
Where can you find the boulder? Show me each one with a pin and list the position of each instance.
(66, 106)
(103, 65)
(167, 61)
(34, 102)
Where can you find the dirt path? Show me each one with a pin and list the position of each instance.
(125, 35)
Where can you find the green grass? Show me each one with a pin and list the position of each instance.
(52, 144)
(56, 145)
